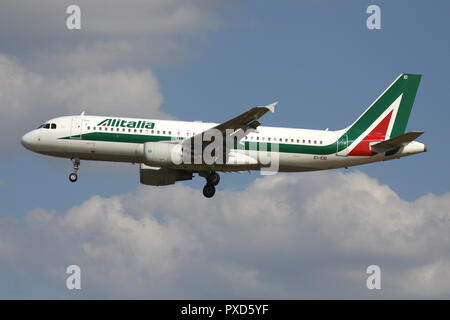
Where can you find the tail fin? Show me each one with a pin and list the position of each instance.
(386, 118)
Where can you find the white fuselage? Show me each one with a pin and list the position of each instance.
(121, 140)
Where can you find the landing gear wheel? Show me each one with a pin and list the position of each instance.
(73, 177)
(76, 166)
(213, 178)
(209, 191)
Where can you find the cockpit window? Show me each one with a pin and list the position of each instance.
(47, 126)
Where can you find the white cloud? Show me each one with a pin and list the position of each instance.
(28, 98)
(104, 17)
(428, 281)
(148, 17)
(285, 236)
(113, 33)
(104, 55)
(102, 68)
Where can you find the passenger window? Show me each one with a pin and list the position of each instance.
(292, 140)
(268, 139)
(170, 132)
(135, 130)
(89, 128)
(100, 128)
(157, 132)
(285, 140)
(320, 141)
(303, 140)
(315, 141)
(309, 141)
(298, 140)
(164, 132)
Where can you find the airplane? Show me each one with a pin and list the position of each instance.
(170, 151)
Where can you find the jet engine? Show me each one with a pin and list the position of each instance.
(162, 154)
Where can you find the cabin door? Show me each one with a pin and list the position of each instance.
(342, 146)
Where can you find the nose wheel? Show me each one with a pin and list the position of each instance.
(74, 175)
(212, 180)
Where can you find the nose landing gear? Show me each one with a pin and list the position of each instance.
(74, 175)
(212, 179)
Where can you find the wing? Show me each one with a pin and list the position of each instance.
(237, 127)
(247, 119)
(396, 142)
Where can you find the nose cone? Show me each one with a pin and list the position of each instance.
(27, 141)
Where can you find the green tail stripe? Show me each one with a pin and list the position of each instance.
(406, 84)
(406, 104)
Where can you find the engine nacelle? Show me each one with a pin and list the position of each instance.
(155, 176)
(162, 154)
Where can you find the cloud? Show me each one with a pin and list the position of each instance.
(104, 55)
(123, 34)
(285, 236)
(48, 71)
(104, 17)
(29, 98)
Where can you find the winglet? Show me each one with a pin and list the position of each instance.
(271, 107)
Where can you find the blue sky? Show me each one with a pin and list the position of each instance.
(317, 58)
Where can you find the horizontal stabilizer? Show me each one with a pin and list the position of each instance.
(396, 142)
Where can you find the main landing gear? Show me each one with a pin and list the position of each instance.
(74, 175)
(212, 180)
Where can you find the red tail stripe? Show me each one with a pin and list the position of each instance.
(376, 135)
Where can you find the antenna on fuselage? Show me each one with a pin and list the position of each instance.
(82, 114)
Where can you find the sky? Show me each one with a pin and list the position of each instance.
(295, 236)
